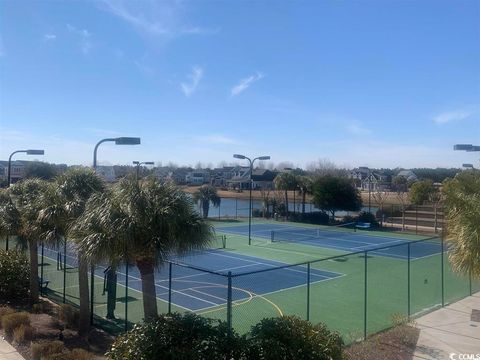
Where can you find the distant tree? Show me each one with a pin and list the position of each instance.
(40, 170)
(204, 195)
(462, 210)
(399, 183)
(304, 187)
(437, 175)
(402, 198)
(380, 198)
(285, 181)
(421, 191)
(332, 193)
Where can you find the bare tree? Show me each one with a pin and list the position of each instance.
(380, 198)
(266, 201)
(323, 167)
(403, 199)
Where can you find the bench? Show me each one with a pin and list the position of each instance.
(43, 284)
(362, 225)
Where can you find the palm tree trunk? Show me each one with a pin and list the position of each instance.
(304, 196)
(84, 316)
(206, 208)
(33, 253)
(146, 268)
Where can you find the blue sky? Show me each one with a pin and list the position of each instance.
(375, 83)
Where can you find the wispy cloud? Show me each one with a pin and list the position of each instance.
(163, 18)
(356, 128)
(450, 116)
(244, 84)
(218, 139)
(195, 76)
(85, 38)
(49, 37)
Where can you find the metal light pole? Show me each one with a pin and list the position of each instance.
(243, 157)
(118, 141)
(139, 163)
(28, 152)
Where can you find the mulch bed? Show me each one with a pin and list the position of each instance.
(47, 326)
(394, 344)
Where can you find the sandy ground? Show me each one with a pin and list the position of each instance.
(391, 197)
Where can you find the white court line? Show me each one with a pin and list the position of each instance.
(384, 244)
(200, 292)
(203, 273)
(270, 265)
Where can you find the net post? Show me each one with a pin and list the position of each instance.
(365, 297)
(229, 301)
(64, 268)
(408, 291)
(41, 270)
(308, 292)
(169, 287)
(6, 244)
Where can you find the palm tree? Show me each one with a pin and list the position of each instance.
(61, 205)
(9, 216)
(285, 181)
(25, 195)
(462, 205)
(305, 187)
(205, 195)
(144, 223)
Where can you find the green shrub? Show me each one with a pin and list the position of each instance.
(179, 337)
(367, 217)
(42, 350)
(289, 337)
(69, 315)
(14, 276)
(14, 320)
(5, 310)
(23, 333)
(65, 354)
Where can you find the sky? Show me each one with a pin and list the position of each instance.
(361, 83)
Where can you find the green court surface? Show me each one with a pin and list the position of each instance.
(368, 293)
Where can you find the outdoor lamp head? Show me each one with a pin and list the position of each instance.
(35, 152)
(135, 162)
(149, 163)
(127, 141)
(264, 158)
(467, 147)
(238, 156)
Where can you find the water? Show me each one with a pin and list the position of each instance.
(234, 208)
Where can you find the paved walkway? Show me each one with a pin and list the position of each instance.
(450, 332)
(8, 352)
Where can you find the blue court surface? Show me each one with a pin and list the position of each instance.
(196, 290)
(345, 240)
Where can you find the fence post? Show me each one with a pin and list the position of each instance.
(169, 287)
(308, 292)
(126, 288)
(229, 301)
(92, 292)
(416, 219)
(64, 268)
(365, 298)
(442, 269)
(408, 274)
(41, 272)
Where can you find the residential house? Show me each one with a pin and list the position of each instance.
(220, 176)
(409, 175)
(17, 170)
(197, 177)
(261, 178)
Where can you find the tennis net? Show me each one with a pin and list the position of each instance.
(293, 234)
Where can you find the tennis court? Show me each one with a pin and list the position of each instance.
(198, 286)
(337, 238)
